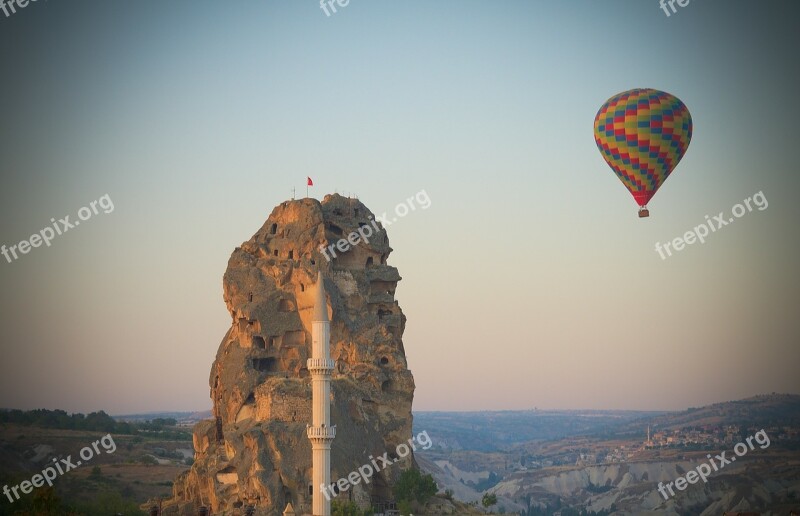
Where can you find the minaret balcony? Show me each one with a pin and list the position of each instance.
(321, 432)
(320, 365)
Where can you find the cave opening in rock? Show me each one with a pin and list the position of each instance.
(369, 261)
(285, 305)
(258, 342)
(384, 360)
(386, 386)
(220, 436)
(265, 365)
(273, 229)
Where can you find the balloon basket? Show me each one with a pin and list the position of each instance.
(644, 212)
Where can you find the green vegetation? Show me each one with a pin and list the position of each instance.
(105, 488)
(341, 508)
(568, 511)
(45, 502)
(414, 489)
(162, 428)
(148, 460)
(489, 499)
(96, 474)
(109, 503)
(489, 482)
(598, 489)
(404, 507)
(158, 423)
(60, 420)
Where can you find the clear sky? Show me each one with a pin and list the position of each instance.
(528, 282)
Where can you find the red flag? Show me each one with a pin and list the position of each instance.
(310, 182)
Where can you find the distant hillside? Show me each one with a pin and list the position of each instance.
(761, 411)
(43, 418)
(179, 416)
(586, 461)
(495, 431)
(165, 428)
(115, 480)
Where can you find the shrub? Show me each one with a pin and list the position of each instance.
(405, 507)
(413, 486)
(342, 508)
(148, 460)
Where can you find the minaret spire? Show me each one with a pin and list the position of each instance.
(320, 303)
(320, 433)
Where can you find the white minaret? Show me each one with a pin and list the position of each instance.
(320, 433)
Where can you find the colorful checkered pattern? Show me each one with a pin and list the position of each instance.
(643, 134)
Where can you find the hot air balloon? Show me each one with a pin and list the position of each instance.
(643, 134)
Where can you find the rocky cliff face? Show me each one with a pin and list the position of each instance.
(769, 484)
(255, 450)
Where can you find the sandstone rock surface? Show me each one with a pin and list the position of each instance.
(255, 450)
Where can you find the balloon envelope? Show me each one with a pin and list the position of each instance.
(643, 134)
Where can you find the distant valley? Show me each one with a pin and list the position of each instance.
(601, 462)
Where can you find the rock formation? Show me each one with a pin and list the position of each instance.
(255, 450)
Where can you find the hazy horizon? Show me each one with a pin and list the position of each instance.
(532, 409)
(536, 409)
(529, 282)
